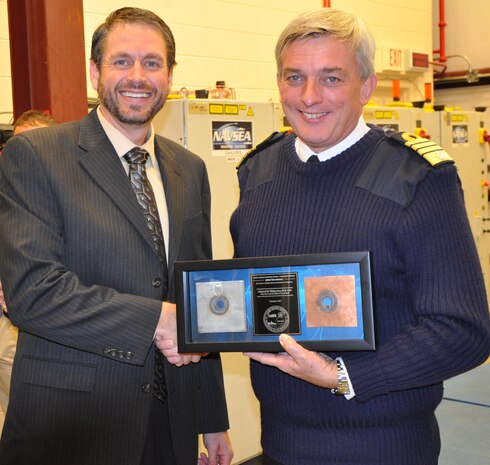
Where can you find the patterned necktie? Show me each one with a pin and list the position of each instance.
(140, 183)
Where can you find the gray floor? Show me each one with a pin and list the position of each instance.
(464, 419)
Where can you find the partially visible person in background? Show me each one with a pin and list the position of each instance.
(8, 341)
(30, 119)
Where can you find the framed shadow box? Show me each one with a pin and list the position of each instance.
(324, 301)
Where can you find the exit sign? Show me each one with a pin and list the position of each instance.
(393, 59)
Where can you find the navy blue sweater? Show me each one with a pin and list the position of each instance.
(430, 303)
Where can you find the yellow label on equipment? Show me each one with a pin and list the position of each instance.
(216, 109)
(231, 109)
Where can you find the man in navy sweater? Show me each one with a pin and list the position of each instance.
(369, 191)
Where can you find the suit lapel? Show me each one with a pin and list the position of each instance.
(100, 161)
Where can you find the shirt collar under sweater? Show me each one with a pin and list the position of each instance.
(359, 151)
(304, 152)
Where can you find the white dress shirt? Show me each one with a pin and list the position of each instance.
(123, 145)
(304, 152)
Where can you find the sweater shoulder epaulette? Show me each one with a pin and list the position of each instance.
(429, 150)
(399, 161)
(267, 142)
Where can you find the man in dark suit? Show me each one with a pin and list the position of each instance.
(88, 283)
(27, 121)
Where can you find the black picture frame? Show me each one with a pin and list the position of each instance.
(324, 301)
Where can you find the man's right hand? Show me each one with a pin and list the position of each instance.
(166, 337)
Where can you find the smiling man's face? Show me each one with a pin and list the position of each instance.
(133, 79)
(321, 91)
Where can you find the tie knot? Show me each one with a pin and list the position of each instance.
(313, 159)
(137, 156)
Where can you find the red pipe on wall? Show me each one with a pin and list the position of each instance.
(442, 37)
(326, 3)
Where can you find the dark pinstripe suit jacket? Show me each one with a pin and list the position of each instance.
(82, 283)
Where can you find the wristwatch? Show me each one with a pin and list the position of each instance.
(342, 388)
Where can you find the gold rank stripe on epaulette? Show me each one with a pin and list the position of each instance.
(433, 153)
(264, 143)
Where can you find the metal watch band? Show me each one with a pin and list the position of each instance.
(343, 384)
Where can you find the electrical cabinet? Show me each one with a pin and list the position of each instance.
(460, 133)
(221, 132)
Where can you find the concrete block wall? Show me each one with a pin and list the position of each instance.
(233, 40)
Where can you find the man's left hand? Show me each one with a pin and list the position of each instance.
(313, 367)
(219, 449)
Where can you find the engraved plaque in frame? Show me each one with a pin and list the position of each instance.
(324, 301)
